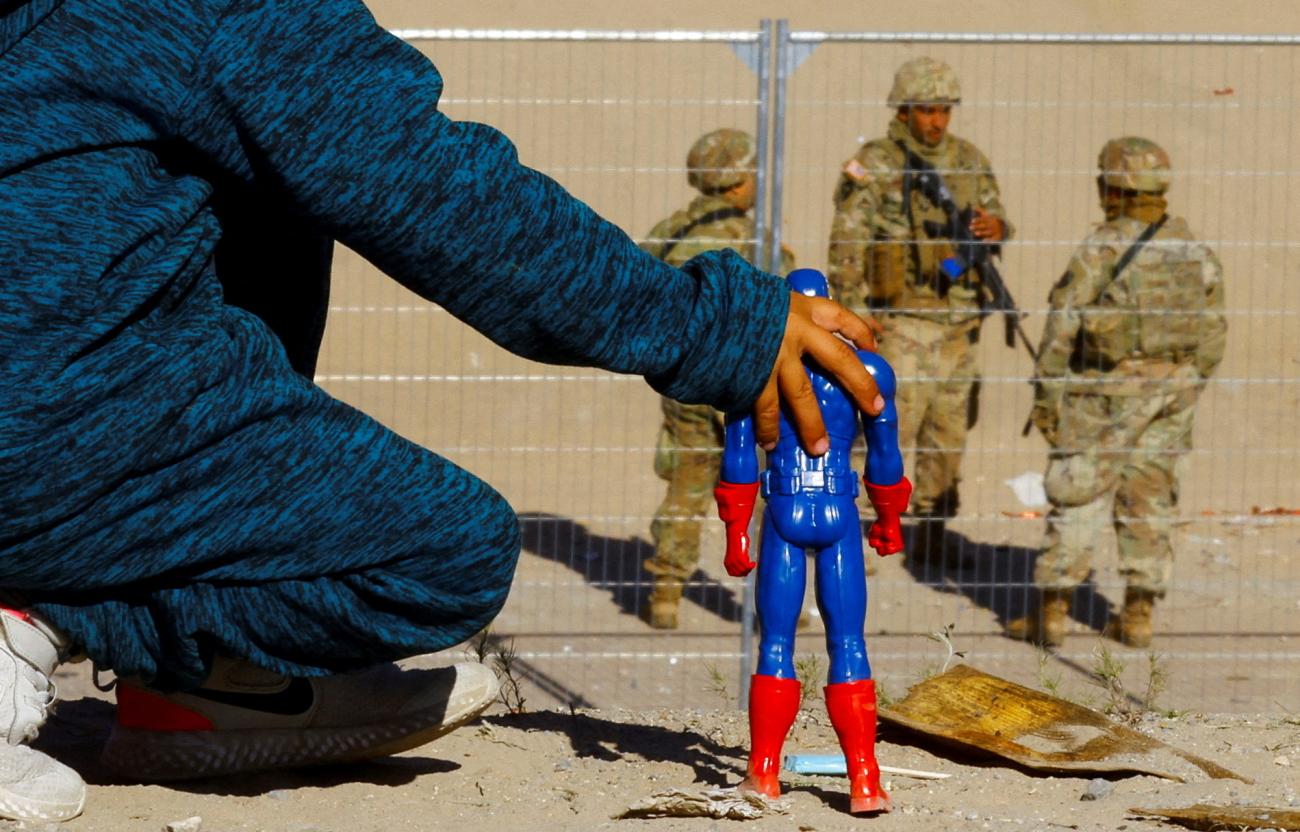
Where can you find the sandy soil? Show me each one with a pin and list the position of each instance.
(576, 770)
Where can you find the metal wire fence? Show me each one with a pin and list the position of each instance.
(610, 115)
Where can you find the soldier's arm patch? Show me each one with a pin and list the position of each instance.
(854, 170)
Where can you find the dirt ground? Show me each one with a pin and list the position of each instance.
(576, 770)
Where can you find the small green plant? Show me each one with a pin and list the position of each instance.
(883, 697)
(488, 648)
(1157, 681)
(1047, 680)
(717, 684)
(1107, 673)
(928, 671)
(808, 670)
(944, 637)
(479, 647)
(503, 661)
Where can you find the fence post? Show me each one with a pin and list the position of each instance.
(763, 255)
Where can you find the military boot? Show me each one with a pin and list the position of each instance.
(660, 608)
(1132, 626)
(1046, 625)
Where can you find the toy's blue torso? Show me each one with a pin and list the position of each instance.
(792, 471)
(811, 505)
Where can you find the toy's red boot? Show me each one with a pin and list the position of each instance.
(852, 708)
(773, 704)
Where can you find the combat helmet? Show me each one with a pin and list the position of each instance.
(924, 81)
(1134, 164)
(721, 160)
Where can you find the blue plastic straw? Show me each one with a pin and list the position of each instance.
(815, 764)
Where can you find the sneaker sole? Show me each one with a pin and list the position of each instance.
(17, 807)
(185, 755)
(63, 789)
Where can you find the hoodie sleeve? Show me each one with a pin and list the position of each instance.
(319, 103)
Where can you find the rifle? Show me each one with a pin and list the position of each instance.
(970, 252)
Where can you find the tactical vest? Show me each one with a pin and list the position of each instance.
(907, 274)
(1155, 308)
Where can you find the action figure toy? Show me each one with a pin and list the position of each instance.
(811, 505)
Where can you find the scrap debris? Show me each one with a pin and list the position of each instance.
(720, 804)
(1212, 818)
(1279, 511)
(973, 709)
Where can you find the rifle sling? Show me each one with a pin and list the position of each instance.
(711, 217)
(1143, 239)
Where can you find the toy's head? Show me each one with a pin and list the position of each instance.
(808, 282)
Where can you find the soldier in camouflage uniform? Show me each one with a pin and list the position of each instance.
(1136, 327)
(883, 259)
(722, 167)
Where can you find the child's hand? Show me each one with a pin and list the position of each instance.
(808, 329)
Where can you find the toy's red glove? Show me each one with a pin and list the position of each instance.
(889, 501)
(736, 508)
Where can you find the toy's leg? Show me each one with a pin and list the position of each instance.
(842, 598)
(774, 690)
(782, 574)
(773, 704)
(851, 694)
(852, 708)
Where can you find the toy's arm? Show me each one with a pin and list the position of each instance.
(887, 488)
(737, 491)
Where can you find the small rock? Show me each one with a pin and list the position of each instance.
(278, 794)
(1097, 789)
(1282, 760)
(972, 816)
(564, 764)
(194, 824)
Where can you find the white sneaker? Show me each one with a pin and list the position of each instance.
(245, 718)
(33, 785)
(29, 652)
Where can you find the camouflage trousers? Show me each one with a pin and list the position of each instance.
(688, 454)
(937, 403)
(1115, 459)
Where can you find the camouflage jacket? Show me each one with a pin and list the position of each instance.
(667, 242)
(1158, 324)
(732, 232)
(880, 254)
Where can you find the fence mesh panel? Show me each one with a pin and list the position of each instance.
(1226, 634)
(611, 117)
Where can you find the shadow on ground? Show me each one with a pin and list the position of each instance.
(602, 739)
(615, 564)
(999, 578)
